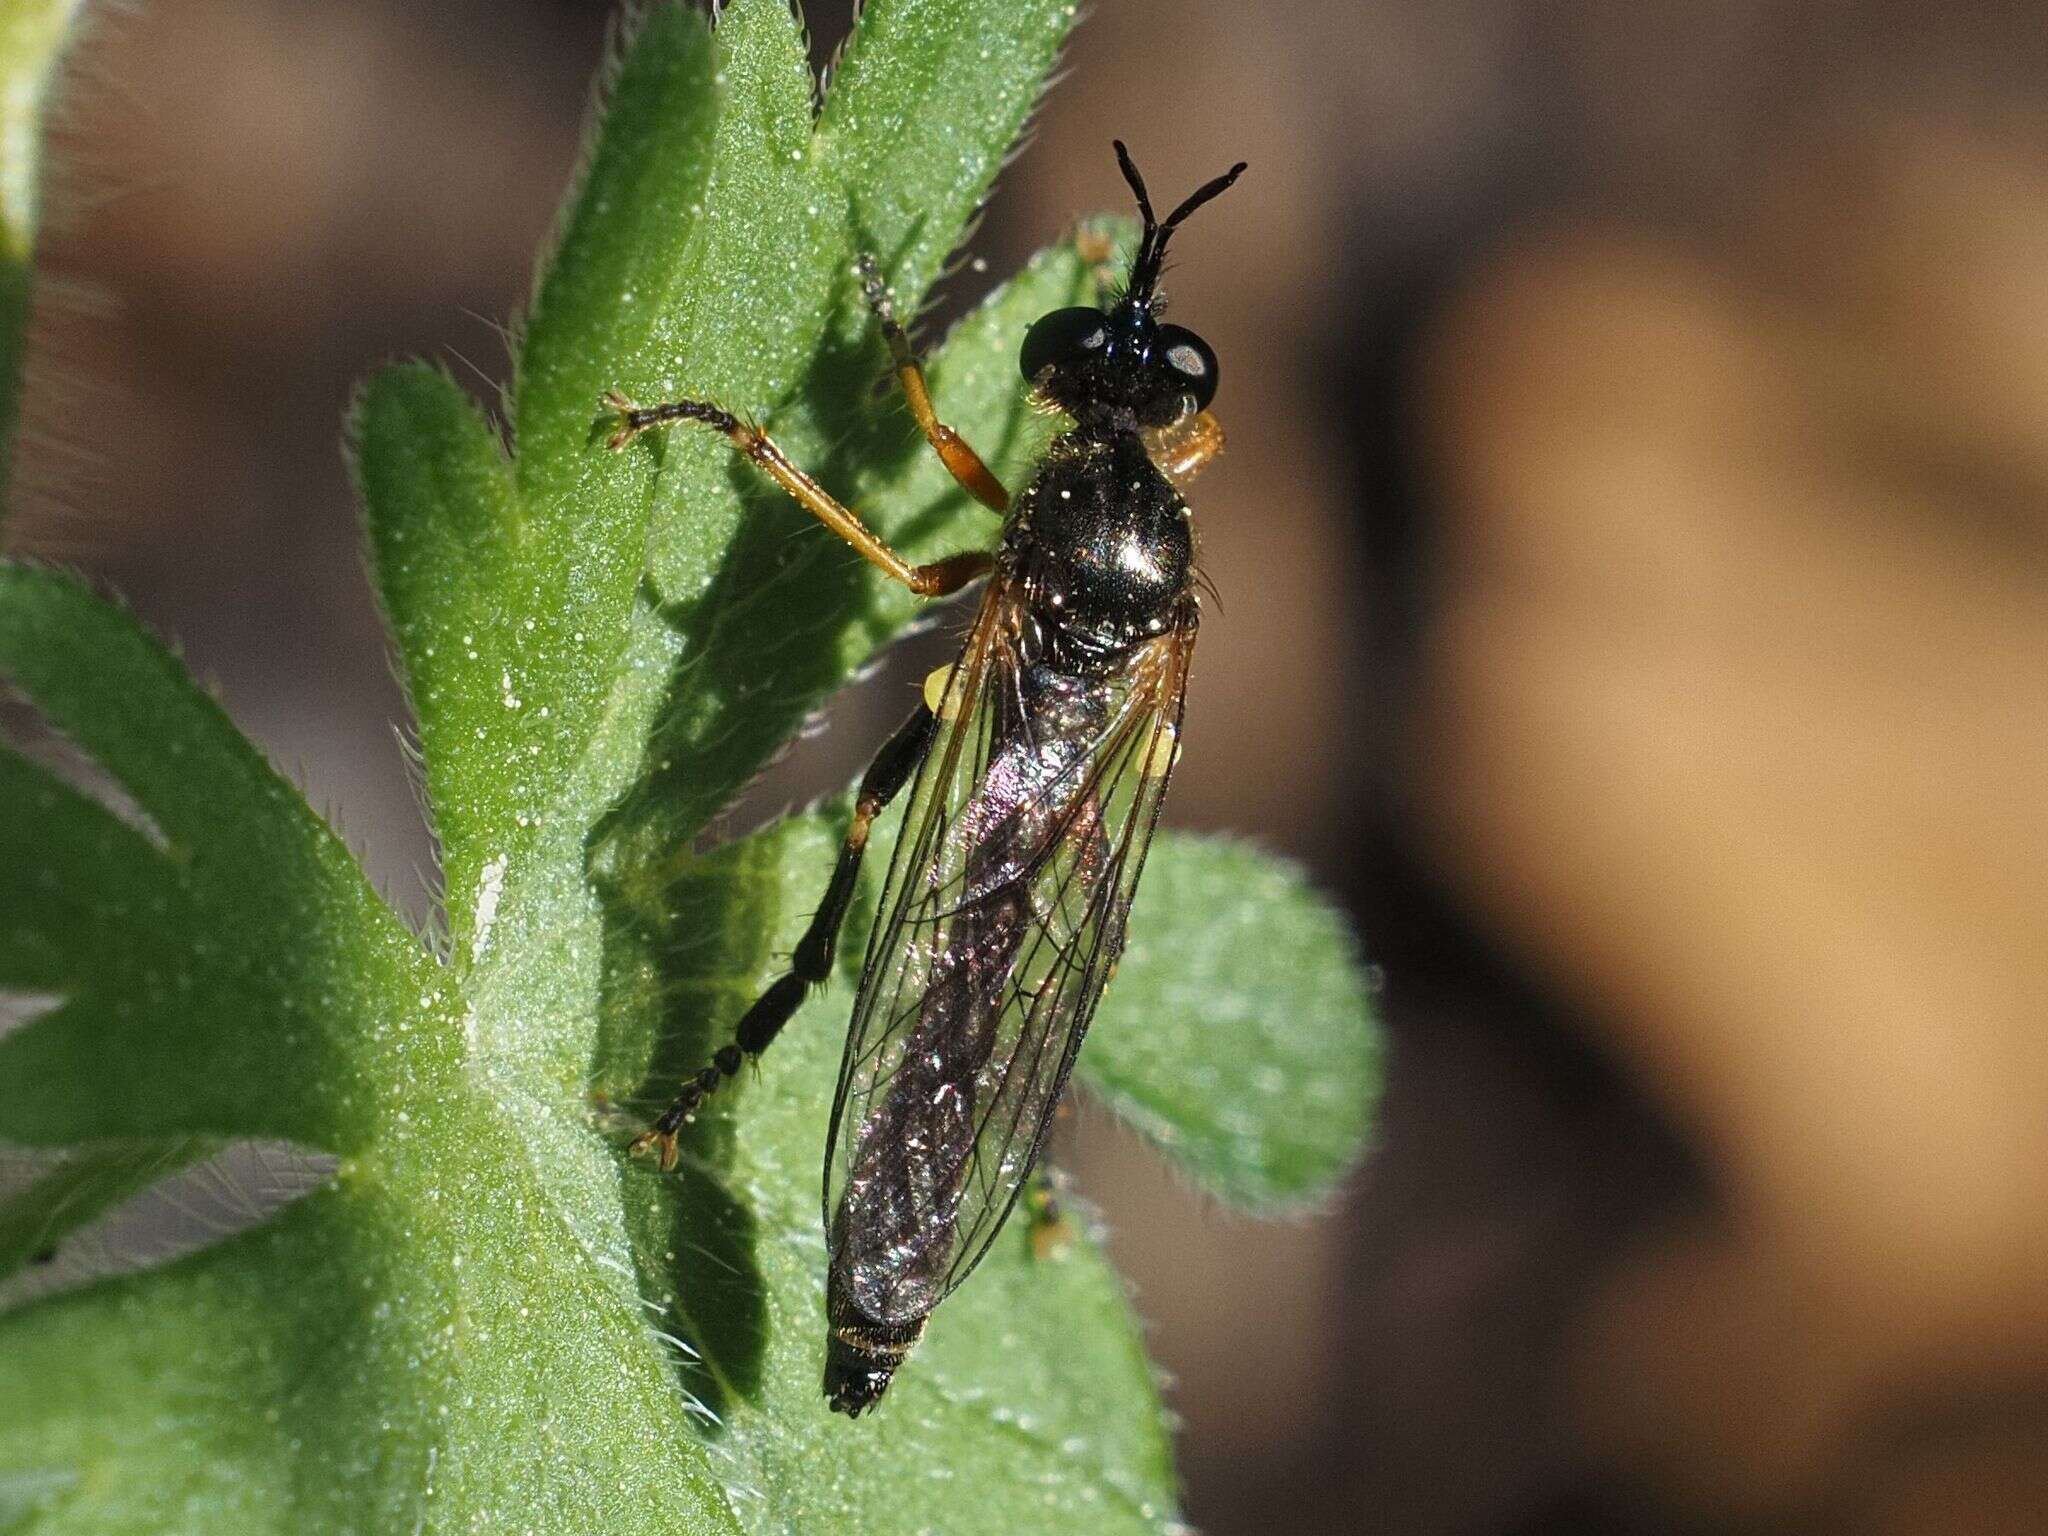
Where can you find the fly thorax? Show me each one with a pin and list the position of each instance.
(1103, 542)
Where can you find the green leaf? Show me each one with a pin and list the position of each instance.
(768, 257)
(433, 1336)
(224, 967)
(379, 1358)
(930, 96)
(1238, 1036)
(32, 38)
(510, 586)
(488, 1318)
(466, 595)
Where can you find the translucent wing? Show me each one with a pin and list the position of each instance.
(1001, 921)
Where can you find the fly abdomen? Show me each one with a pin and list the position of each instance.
(896, 1223)
(895, 1233)
(861, 1355)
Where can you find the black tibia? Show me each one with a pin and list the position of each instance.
(961, 461)
(812, 961)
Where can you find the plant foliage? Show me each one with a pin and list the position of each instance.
(485, 1318)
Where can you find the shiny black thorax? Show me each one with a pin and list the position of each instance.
(1102, 546)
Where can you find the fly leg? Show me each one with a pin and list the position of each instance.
(1051, 1233)
(1182, 451)
(1098, 251)
(812, 962)
(937, 579)
(961, 461)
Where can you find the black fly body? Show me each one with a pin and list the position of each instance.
(1037, 763)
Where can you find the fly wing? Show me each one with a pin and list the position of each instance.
(1001, 921)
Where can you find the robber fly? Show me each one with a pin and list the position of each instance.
(1040, 757)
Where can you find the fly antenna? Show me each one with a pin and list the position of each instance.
(1150, 260)
(1123, 160)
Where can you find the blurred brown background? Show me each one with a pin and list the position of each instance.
(1636, 529)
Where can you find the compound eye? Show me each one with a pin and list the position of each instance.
(1188, 359)
(1064, 336)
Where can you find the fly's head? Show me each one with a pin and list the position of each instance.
(1121, 368)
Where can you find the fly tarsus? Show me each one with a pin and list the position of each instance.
(812, 961)
(1052, 1234)
(635, 418)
